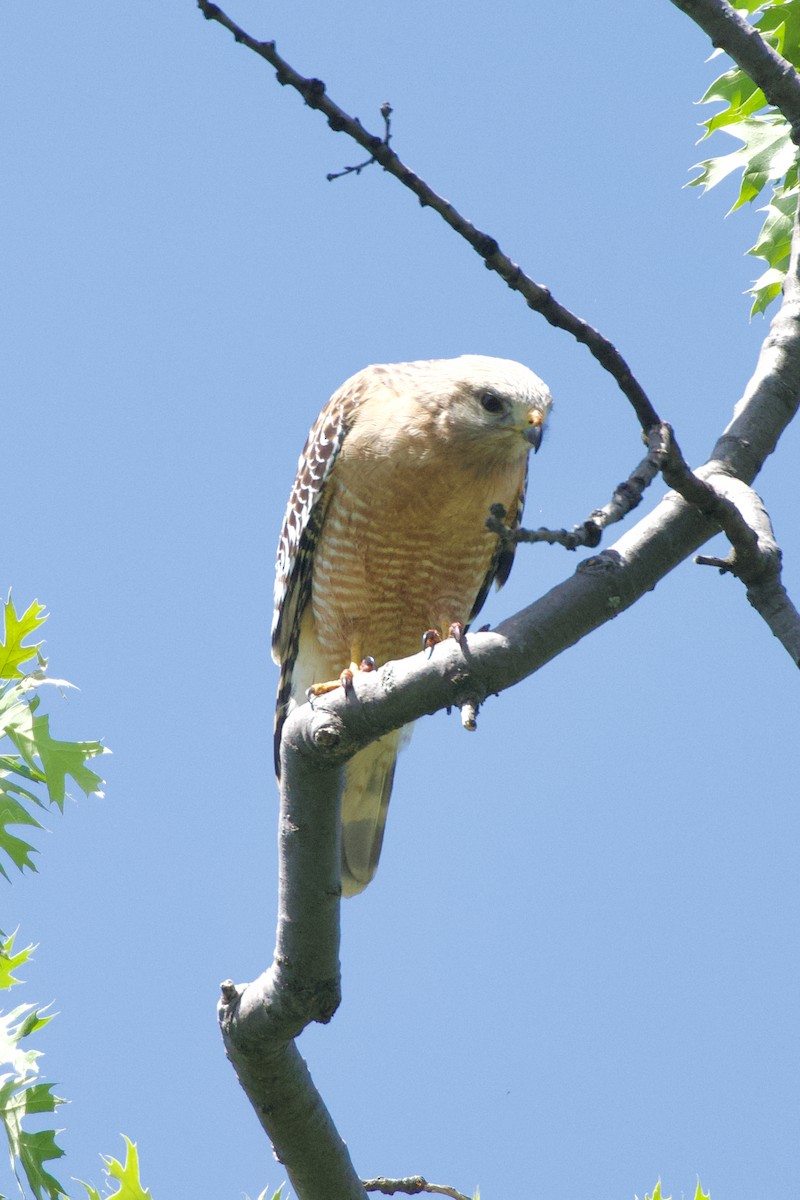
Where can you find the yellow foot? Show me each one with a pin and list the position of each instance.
(345, 680)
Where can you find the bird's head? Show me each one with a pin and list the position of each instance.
(495, 405)
(489, 413)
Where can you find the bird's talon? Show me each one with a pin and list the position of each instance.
(430, 638)
(367, 664)
(346, 679)
(456, 631)
(321, 689)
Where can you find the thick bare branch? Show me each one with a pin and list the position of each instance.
(259, 1020)
(773, 393)
(536, 296)
(731, 32)
(755, 558)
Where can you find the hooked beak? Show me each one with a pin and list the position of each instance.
(534, 430)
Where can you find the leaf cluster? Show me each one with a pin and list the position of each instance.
(33, 764)
(33, 772)
(22, 1092)
(767, 155)
(699, 1194)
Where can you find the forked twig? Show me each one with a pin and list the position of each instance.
(755, 556)
(386, 113)
(627, 495)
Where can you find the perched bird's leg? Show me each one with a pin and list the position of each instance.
(456, 631)
(345, 680)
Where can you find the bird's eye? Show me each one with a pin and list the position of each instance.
(491, 403)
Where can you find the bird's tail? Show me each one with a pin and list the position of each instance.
(365, 801)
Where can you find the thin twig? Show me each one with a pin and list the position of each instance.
(627, 495)
(536, 296)
(415, 1185)
(386, 113)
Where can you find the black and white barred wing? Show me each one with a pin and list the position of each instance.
(301, 525)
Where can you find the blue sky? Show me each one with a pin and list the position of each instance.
(577, 967)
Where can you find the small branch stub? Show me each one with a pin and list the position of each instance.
(229, 992)
(469, 715)
(327, 734)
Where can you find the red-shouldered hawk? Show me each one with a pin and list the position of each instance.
(385, 537)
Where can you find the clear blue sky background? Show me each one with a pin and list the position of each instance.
(578, 967)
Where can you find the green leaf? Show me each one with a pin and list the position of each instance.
(41, 758)
(765, 289)
(127, 1175)
(35, 1149)
(22, 1021)
(31, 736)
(22, 1094)
(767, 154)
(10, 961)
(774, 245)
(735, 89)
(774, 242)
(12, 813)
(12, 652)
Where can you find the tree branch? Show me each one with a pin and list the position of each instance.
(731, 32)
(727, 498)
(755, 558)
(627, 496)
(259, 1021)
(415, 1185)
(303, 983)
(536, 296)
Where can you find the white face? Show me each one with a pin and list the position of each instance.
(476, 396)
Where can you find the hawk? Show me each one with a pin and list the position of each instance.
(385, 538)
